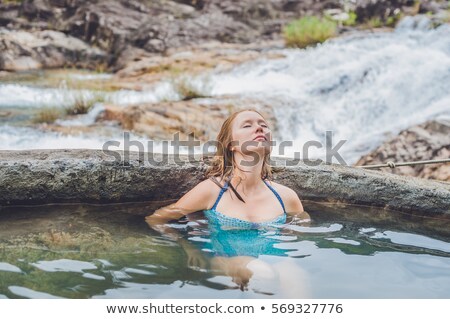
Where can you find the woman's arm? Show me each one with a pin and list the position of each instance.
(292, 202)
(198, 198)
(294, 208)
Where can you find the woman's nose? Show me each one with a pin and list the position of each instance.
(259, 128)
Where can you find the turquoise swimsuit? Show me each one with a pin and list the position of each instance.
(225, 222)
(230, 236)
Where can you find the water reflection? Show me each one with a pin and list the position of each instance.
(88, 251)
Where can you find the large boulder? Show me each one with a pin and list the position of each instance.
(8, 13)
(383, 9)
(95, 176)
(22, 50)
(427, 141)
(37, 14)
(106, 24)
(198, 117)
(154, 27)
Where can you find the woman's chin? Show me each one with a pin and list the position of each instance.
(257, 152)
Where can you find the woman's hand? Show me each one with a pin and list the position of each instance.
(158, 221)
(236, 268)
(301, 218)
(196, 259)
(241, 277)
(166, 214)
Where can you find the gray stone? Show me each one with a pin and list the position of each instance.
(426, 141)
(91, 176)
(22, 50)
(158, 26)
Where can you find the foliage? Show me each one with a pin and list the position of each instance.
(351, 21)
(308, 30)
(47, 115)
(11, 1)
(374, 22)
(83, 103)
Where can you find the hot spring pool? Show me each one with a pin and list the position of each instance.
(93, 251)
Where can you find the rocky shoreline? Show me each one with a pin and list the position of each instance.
(102, 34)
(427, 141)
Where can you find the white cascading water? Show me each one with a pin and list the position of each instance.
(364, 88)
(18, 96)
(23, 96)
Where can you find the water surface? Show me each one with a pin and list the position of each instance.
(98, 251)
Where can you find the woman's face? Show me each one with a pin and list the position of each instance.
(251, 134)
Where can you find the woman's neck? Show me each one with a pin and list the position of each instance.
(247, 172)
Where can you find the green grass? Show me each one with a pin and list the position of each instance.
(47, 115)
(82, 104)
(374, 22)
(393, 20)
(11, 1)
(351, 21)
(308, 30)
(447, 18)
(186, 89)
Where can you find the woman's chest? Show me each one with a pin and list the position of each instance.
(256, 209)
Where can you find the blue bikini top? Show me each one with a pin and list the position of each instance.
(223, 221)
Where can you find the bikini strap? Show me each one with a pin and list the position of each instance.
(223, 189)
(231, 187)
(277, 195)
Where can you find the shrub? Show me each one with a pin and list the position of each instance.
(11, 1)
(351, 21)
(308, 30)
(82, 104)
(374, 22)
(187, 90)
(47, 115)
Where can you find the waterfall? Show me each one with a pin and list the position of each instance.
(364, 88)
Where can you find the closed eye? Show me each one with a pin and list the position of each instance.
(250, 125)
(260, 123)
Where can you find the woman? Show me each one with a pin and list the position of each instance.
(238, 190)
(237, 195)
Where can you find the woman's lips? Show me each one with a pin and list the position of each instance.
(260, 137)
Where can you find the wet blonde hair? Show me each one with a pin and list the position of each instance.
(222, 164)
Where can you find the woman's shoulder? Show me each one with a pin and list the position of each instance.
(215, 180)
(290, 198)
(282, 189)
(213, 186)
